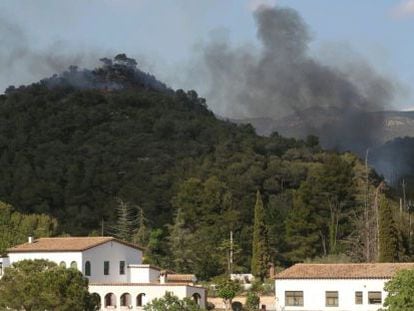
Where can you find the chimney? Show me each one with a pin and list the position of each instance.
(163, 276)
(272, 271)
(30, 240)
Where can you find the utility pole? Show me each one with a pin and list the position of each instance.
(102, 226)
(404, 197)
(366, 211)
(231, 253)
(407, 208)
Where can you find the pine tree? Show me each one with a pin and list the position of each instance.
(124, 227)
(301, 237)
(141, 235)
(388, 233)
(260, 254)
(180, 242)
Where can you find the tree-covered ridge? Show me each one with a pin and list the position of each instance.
(187, 178)
(118, 73)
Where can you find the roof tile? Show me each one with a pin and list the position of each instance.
(65, 244)
(343, 271)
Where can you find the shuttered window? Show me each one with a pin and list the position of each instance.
(294, 298)
(106, 267)
(122, 267)
(331, 299)
(358, 298)
(374, 298)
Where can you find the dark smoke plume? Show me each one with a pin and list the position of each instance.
(22, 64)
(281, 80)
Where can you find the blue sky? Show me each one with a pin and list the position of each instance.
(164, 33)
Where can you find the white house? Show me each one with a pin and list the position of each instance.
(339, 287)
(114, 269)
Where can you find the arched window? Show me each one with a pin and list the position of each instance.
(196, 298)
(140, 300)
(96, 299)
(125, 300)
(110, 300)
(62, 264)
(88, 268)
(74, 265)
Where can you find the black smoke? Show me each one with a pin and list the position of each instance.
(282, 81)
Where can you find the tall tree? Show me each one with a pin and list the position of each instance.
(260, 251)
(388, 233)
(15, 227)
(180, 242)
(141, 235)
(302, 236)
(124, 227)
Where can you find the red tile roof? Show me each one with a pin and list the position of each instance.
(343, 271)
(178, 278)
(65, 244)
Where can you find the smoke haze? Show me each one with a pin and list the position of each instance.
(280, 79)
(22, 64)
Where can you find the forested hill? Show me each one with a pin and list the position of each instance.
(188, 179)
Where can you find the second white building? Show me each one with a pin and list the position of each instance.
(339, 287)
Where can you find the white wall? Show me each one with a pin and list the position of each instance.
(4, 263)
(151, 292)
(114, 252)
(143, 274)
(314, 294)
(57, 257)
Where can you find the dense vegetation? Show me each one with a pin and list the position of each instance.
(156, 166)
(42, 285)
(172, 303)
(16, 227)
(400, 292)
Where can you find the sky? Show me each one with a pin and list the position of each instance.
(39, 38)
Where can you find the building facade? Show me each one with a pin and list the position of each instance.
(339, 287)
(113, 267)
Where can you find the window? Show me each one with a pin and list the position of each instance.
(331, 299)
(88, 268)
(294, 298)
(62, 264)
(110, 300)
(125, 300)
(140, 300)
(74, 265)
(374, 298)
(106, 267)
(122, 267)
(197, 298)
(358, 298)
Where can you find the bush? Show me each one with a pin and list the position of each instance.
(210, 306)
(252, 301)
(173, 303)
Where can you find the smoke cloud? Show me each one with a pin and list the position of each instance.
(281, 80)
(22, 64)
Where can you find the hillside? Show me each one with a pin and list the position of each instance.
(185, 178)
(354, 131)
(318, 121)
